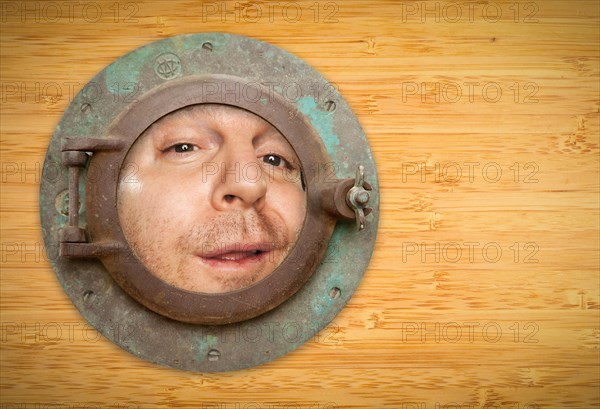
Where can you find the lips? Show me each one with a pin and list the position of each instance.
(236, 254)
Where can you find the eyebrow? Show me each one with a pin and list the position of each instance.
(274, 136)
(209, 120)
(163, 131)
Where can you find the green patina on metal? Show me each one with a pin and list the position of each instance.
(205, 343)
(322, 122)
(121, 76)
(191, 42)
(264, 338)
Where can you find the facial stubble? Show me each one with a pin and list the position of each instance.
(231, 229)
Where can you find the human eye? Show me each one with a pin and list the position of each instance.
(276, 161)
(181, 148)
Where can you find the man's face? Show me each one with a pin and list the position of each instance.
(210, 198)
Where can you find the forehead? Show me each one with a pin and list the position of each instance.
(212, 115)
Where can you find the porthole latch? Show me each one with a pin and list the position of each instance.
(358, 197)
(347, 199)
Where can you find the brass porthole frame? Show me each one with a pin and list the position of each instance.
(113, 289)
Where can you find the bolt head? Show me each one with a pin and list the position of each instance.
(362, 197)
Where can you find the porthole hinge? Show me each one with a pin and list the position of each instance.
(74, 157)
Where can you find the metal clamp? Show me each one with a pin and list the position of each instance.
(358, 197)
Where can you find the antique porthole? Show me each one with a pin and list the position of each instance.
(209, 202)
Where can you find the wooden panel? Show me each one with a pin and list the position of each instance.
(483, 291)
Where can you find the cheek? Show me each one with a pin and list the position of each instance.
(289, 202)
(172, 204)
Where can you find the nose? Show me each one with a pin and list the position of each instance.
(240, 183)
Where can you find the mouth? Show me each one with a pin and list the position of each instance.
(237, 255)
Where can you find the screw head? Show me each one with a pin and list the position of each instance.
(214, 355)
(362, 197)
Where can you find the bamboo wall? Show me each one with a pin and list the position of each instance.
(483, 290)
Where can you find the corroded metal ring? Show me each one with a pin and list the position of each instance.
(173, 302)
(90, 255)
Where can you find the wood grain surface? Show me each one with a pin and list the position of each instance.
(483, 290)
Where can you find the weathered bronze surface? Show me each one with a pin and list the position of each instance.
(113, 290)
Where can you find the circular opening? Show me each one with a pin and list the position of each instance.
(181, 293)
(211, 198)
